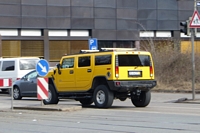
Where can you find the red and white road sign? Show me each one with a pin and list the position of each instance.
(42, 88)
(195, 21)
(5, 82)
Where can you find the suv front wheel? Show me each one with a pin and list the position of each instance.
(52, 96)
(103, 97)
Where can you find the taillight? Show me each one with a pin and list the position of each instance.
(116, 67)
(116, 71)
(18, 78)
(151, 70)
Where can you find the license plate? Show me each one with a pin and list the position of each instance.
(134, 73)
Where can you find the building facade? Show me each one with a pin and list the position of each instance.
(51, 28)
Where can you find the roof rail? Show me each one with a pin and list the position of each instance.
(88, 51)
(118, 49)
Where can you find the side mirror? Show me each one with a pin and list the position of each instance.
(58, 66)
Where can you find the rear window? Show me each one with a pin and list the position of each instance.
(134, 60)
(8, 66)
(27, 64)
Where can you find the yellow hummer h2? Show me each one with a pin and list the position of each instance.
(102, 76)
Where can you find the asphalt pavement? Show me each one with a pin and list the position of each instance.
(73, 106)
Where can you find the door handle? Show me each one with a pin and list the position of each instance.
(71, 71)
(89, 70)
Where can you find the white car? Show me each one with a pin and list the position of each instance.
(16, 68)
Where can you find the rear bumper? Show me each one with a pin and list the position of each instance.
(123, 86)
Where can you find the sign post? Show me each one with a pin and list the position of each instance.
(42, 68)
(194, 23)
(93, 44)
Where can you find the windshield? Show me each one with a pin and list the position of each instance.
(27, 64)
(134, 60)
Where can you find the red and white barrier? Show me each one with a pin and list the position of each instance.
(42, 88)
(5, 82)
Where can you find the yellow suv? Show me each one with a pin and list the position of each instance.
(102, 76)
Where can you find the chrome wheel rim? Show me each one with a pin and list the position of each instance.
(49, 96)
(16, 93)
(101, 97)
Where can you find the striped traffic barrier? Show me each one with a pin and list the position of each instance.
(5, 83)
(42, 88)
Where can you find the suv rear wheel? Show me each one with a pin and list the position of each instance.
(52, 96)
(142, 100)
(103, 97)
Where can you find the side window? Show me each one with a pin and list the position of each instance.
(8, 66)
(32, 75)
(103, 59)
(84, 61)
(0, 65)
(68, 63)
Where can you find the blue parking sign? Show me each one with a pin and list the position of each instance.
(93, 44)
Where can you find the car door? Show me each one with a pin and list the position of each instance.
(84, 73)
(66, 79)
(28, 84)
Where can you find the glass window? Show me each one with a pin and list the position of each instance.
(11, 49)
(32, 75)
(68, 63)
(134, 60)
(27, 64)
(84, 61)
(8, 66)
(57, 49)
(116, 44)
(76, 46)
(32, 48)
(103, 59)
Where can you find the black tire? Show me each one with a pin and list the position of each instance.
(86, 101)
(143, 100)
(122, 98)
(52, 96)
(103, 97)
(17, 93)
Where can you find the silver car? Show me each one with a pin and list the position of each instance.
(26, 86)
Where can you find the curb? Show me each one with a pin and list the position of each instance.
(50, 108)
(175, 91)
(186, 100)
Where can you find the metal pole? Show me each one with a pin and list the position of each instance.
(193, 65)
(195, 5)
(193, 56)
(11, 92)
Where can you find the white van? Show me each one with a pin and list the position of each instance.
(16, 68)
